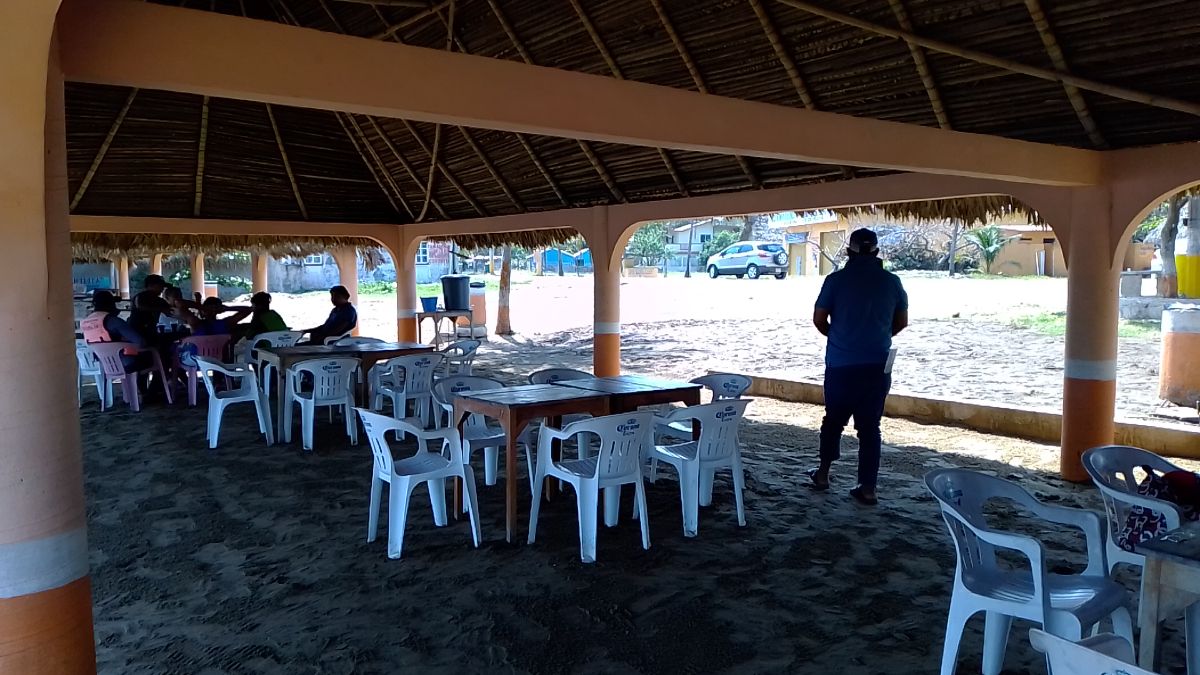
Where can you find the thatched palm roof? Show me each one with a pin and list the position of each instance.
(966, 210)
(98, 246)
(990, 70)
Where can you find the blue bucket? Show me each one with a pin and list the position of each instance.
(429, 304)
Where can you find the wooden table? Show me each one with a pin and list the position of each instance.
(515, 408)
(438, 316)
(368, 355)
(627, 393)
(1170, 583)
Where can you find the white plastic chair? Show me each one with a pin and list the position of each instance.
(695, 461)
(458, 357)
(722, 386)
(1064, 605)
(109, 356)
(246, 391)
(211, 347)
(351, 341)
(476, 432)
(265, 369)
(1104, 654)
(426, 466)
(335, 338)
(411, 381)
(552, 375)
(333, 386)
(87, 365)
(624, 440)
(1112, 470)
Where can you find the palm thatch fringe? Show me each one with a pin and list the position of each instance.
(530, 239)
(967, 210)
(98, 246)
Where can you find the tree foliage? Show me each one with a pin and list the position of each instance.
(990, 241)
(649, 243)
(720, 241)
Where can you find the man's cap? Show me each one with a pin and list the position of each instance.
(155, 279)
(261, 296)
(863, 241)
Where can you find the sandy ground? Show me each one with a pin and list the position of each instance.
(253, 560)
(961, 343)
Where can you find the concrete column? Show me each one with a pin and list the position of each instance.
(123, 276)
(198, 274)
(258, 270)
(45, 594)
(347, 262)
(1090, 368)
(406, 292)
(156, 261)
(606, 325)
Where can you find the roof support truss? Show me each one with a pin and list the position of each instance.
(201, 150)
(104, 146)
(139, 44)
(923, 69)
(1060, 63)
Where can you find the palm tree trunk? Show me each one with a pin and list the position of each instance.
(559, 251)
(953, 245)
(687, 269)
(503, 323)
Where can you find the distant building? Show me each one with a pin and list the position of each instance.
(814, 240)
(319, 272)
(689, 239)
(572, 262)
(1033, 250)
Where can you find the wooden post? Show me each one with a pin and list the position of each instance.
(258, 270)
(503, 322)
(123, 276)
(156, 262)
(347, 262)
(198, 274)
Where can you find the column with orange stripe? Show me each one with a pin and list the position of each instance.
(1090, 366)
(405, 256)
(45, 596)
(607, 251)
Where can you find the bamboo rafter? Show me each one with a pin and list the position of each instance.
(200, 153)
(615, 69)
(349, 123)
(108, 139)
(922, 65)
(387, 142)
(412, 130)
(487, 163)
(1122, 93)
(698, 79)
(287, 164)
(410, 21)
(1050, 41)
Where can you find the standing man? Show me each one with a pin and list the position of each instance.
(860, 308)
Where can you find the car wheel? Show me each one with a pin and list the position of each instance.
(781, 275)
(740, 276)
(712, 272)
(752, 271)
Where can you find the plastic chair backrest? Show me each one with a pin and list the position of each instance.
(333, 379)
(1111, 468)
(352, 341)
(724, 385)
(88, 363)
(623, 438)
(279, 338)
(418, 371)
(334, 338)
(109, 356)
(552, 375)
(962, 495)
(445, 389)
(377, 426)
(718, 427)
(209, 346)
(209, 366)
(1071, 658)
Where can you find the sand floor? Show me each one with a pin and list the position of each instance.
(253, 560)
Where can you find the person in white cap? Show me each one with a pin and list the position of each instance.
(860, 308)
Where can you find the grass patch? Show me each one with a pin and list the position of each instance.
(1055, 324)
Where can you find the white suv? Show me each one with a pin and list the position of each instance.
(749, 259)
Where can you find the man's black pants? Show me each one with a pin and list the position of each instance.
(858, 392)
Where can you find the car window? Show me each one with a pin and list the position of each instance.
(744, 248)
(730, 251)
(771, 248)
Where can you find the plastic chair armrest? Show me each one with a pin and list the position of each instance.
(1092, 526)
(1170, 512)
(674, 415)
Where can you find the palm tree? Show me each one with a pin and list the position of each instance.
(990, 240)
(503, 323)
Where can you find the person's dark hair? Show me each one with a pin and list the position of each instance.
(155, 280)
(103, 301)
(261, 298)
(863, 242)
(211, 303)
(340, 291)
(173, 292)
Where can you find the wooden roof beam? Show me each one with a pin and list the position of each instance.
(441, 166)
(201, 150)
(387, 142)
(698, 80)
(491, 168)
(1042, 23)
(127, 43)
(378, 169)
(922, 65)
(615, 69)
(287, 164)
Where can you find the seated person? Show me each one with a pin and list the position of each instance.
(104, 324)
(209, 322)
(173, 320)
(263, 319)
(148, 306)
(342, 319)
